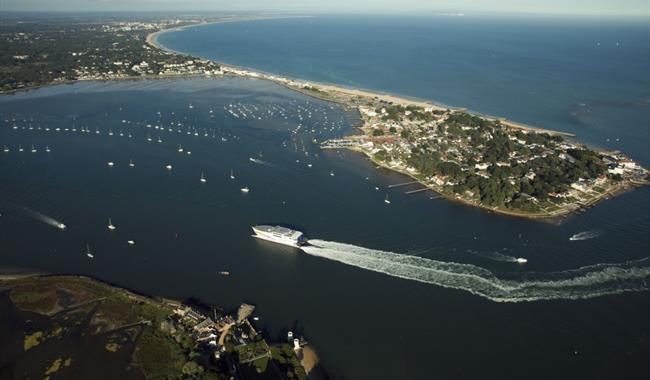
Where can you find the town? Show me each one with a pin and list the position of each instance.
(490, 163)
(41, 53)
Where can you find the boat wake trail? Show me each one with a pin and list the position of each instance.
(495, 256)
(585, 282)
(260, 162)
(586, 235)
(38, 216)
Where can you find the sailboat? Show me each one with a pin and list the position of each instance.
(20, 148)
(386, 200)
(203, 180)
(88, 253)
(232, 174)
(131, 164)
(33, 149)
(180, 149)
(47, 149)
(6, 149)
(110, 225)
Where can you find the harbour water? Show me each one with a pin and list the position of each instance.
(415, 289)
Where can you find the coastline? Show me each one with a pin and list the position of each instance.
(303, 86)
(351, 99)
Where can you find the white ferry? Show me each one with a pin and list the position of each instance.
(280, 235)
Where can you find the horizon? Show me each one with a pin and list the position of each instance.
(581, 8)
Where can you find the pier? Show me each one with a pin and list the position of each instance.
(417, 191)
(402, 184)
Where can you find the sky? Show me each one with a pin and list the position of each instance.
(639, 8)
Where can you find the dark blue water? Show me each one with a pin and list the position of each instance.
(417, 289)
(371, 311)
(589, 76)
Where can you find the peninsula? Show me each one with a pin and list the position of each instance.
(488, 162)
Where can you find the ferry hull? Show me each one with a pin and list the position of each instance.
(262, 237)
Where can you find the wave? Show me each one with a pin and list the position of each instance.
(582, 283)
(586, 235)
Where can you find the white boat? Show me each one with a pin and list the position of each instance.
(47, 149)
(168, 167)
(33, 149)
(245, 189)
(203, 180)
(521, 260)
(180, 149)
(131, 164)
(131, 242)
(88, 253)
(332, 174)
(386, 200)
(5, 149)
(110, 225)
(20, 148)
(61, 226)
(110, 163)
(280, 235)
(232, 174)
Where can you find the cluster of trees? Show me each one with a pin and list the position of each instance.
(512, 184)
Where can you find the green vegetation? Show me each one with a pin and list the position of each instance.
(287, 362)
(491, 163)
(55, 50)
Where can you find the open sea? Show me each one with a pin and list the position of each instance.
(420, 288)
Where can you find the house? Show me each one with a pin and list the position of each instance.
(205, 325)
